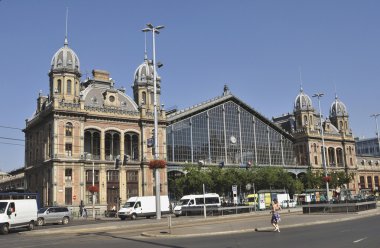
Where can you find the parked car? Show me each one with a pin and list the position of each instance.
(17, 213)
(53, 215)
(288, 203)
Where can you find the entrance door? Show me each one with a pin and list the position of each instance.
(112, 197)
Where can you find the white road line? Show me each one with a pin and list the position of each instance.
(359, 240)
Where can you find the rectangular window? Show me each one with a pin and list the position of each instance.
(89, 176)
(69, 149)
(113, 176)
(369, 182)
(68, 174)
(316, 160)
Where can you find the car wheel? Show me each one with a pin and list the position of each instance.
(4, 229)
(31, 226)
(133, 216)
(65, 221)
(40, 222)
(122, 217)
(148, 217)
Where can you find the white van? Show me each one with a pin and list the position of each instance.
(211, 199)
(17, 213)
(143, 206)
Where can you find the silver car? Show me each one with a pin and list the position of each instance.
(53, 215)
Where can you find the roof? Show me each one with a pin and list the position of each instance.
(195, 109)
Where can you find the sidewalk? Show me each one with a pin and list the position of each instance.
(254, 223)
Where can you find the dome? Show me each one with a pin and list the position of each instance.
(302, 102)
(144, 73)
(65, 58)
(338, 108)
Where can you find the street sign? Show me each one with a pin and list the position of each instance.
(234, 189)
(74, 197)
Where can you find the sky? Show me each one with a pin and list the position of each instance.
(263, 51)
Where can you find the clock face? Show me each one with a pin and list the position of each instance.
(233, 139)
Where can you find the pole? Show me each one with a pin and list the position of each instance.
(377, 130)
(158, 205)
(204, 202)
(93, 193)
(319, 95)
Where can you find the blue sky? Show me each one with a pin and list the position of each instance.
(255, 47)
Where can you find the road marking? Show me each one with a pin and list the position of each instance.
(359, 240)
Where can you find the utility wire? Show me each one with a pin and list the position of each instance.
(11, 138)
(10, 127)
(11, 144)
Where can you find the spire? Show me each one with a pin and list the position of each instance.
(145, 53)
(66, 43)
(301, 86)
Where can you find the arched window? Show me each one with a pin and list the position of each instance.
(112, 145)
(59, 86)
(69, 87)
(131, 145)
(92, 143)
(331, 156)
(339, 156)
(315, 147)
(341, 125)
(69, 129)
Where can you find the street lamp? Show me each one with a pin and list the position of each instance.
(93, 185)
(155, 30)
(319, 95)
(377, 129)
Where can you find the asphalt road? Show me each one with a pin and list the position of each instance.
(363, 232)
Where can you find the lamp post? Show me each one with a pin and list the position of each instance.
(155, 30)
(377, 129)
(319, 95)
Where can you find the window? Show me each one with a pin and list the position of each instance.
(89, 176)
(59, 86)
(69, 129)
(369, 182)
(113, 176)
(143, 98)
(69, 149)
(68, 174)
(69, 87)
(316, 160)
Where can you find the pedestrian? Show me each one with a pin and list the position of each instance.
(84, 212)
(275, 215)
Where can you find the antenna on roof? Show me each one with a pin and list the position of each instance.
(67, 16)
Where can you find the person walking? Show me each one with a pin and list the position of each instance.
(275, 215)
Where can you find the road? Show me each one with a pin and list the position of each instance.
(356, 233)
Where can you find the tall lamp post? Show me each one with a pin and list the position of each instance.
(377, 129)
(319, 95)
(155, 30)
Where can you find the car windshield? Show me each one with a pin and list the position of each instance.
(129, 204)
(183, 202)
(41, 210)
(3, 206)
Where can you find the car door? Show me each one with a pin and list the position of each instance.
(138, 208)
(12, 216)
(50, 212)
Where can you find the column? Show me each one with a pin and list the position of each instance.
(102, 145)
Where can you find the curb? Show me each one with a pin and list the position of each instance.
(257, 229)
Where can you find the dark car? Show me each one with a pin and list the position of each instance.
(53, 215)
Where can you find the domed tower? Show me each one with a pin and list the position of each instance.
(143, 88)
(339, 115)
(65, 75)
(303, 111)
